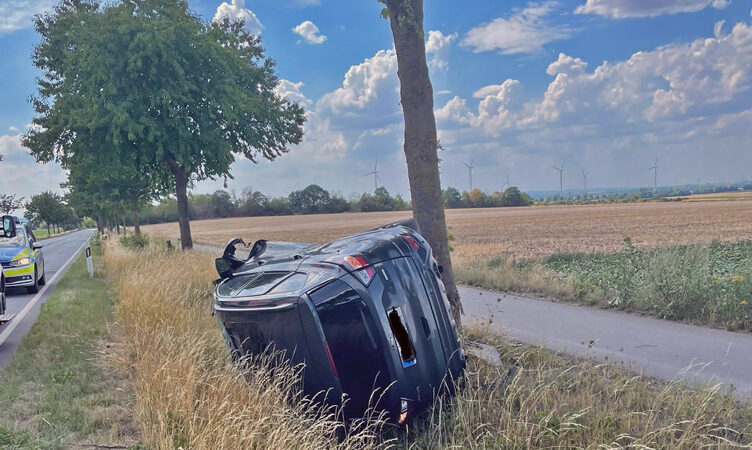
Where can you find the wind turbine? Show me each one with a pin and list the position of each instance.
(584, 175)
(655, 175)
(469, 172)
(561, 176)
(375, 173)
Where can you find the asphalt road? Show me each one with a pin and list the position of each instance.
(59, 253)
(660, 348)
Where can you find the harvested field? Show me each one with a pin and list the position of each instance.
(516, 233)
(735, 196)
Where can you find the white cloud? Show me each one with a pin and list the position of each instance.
(525, 31)
(17, 14)
(369, 96)
(309, 32)
(291, 91)
(438, 46)
(621, 9)
(22, 176)
(236, 11)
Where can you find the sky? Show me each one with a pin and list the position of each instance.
(603, 86)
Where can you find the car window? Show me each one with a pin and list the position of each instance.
(19, 240)
(261, 284)
(290, 284)
(32, 238)
(233, 284)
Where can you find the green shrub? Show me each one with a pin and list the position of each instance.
(134, 241)
(703, 283)
(88, 222)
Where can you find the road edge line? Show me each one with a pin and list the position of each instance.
(20, 316)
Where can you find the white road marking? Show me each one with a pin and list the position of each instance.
(10, 326)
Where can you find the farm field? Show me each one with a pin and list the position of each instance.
(512, 233)
(731, 196)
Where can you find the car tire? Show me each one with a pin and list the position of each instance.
(35, 288)
(43, 278)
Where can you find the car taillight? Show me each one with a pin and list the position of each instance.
(410, 240)
(331, 360)
(357, 264)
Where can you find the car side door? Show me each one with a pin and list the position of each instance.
(37, 253)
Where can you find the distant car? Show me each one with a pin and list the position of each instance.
(22, 259)
(364, 312)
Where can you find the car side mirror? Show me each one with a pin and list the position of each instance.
(8, 227)
(228, 262)
(37, 245)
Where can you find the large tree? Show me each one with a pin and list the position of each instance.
(161, 91)
(421, 143)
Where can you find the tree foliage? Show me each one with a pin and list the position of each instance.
(48, 208)
(10, 203)
(158, 91)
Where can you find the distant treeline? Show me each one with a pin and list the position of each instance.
(642, 194)
(315, 200)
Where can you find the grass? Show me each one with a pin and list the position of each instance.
(42, 233)
(187, 392)
(189, 395)
(557, 401)
(58, 391)
(708, 284)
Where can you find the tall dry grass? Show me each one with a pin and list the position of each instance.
(187, 393)
(555, 401)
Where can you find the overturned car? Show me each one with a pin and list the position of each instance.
(366, 314)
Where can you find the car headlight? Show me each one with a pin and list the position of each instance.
(21, 262)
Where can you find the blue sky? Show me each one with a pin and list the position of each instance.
(604, 85)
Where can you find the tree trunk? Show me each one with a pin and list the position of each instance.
(421, 143)
(181, 191)
(136, 223)
(100, 225)
(48, 229)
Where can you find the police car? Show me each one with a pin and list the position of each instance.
(21, 255)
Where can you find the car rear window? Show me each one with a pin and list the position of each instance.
(250, 285)
(261, 284)
(351, 334)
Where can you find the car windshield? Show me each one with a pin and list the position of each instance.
(17, 241)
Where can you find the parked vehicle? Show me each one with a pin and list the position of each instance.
(21, 256)
(7, 230)
(364, 313)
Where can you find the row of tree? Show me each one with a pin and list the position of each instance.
(46, 209)
(313, 200)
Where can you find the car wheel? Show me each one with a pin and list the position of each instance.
(43, 278)
(35, 288)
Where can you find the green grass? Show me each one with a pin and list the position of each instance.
(708, 284)
(57, 391)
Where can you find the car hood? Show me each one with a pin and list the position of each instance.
(8, 253)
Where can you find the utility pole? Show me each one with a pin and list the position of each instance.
(469, 172)
(655, 175)
(561, 176)
(375, 173)
(584, 175)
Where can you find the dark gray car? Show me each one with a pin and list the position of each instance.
(363, 313)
